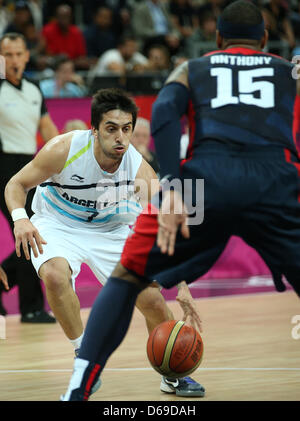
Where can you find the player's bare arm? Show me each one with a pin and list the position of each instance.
(146, 183)
(180, 74)
(49, 161)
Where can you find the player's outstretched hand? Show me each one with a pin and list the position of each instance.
(3, 278)
(172, 216)
(188, 305)
(26, 233)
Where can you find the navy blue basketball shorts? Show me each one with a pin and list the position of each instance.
(250, 192)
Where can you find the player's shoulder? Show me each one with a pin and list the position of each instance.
(59, 145)
(202, 60)
(278, 59)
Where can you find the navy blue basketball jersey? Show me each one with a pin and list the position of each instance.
(242, 96)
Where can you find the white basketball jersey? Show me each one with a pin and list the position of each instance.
(84, 193)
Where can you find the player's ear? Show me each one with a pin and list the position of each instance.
(264, 39)
(219, 39)
(94, 131)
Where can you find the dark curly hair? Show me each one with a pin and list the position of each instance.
(109, 99)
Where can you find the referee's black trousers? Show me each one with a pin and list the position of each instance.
(19, 270)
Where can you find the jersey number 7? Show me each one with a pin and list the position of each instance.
(246, 87)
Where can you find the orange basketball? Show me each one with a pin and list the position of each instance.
(174, 349)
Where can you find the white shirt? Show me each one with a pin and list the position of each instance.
(21, 109)
(84, 195)
(114, 56)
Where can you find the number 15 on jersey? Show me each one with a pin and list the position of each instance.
(247, 86)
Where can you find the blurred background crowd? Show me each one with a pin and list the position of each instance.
(78, 46)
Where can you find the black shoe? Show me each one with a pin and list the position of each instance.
(37, 317)
(185, 387)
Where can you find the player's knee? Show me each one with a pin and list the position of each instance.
(151, 301)
(55, 274)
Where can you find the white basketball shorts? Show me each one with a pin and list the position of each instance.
(101, 251)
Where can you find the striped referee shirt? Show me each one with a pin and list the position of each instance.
(21, 108)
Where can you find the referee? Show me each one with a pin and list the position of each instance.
(22, 113)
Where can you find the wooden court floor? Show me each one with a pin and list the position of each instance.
(249, 355)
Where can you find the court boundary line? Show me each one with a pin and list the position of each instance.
(211, 297)
(63, 370)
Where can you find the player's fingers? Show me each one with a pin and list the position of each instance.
(163, 234)
(171, 243)
(198, 322)
(162, 239)
(33, 243)
(25, 248)
(17, 246)
(189, 320)
(185, 231)
(39, 241)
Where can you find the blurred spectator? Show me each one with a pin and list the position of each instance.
(34, 45)
(22, 18)
(295, 21)
(121, 60)
(36, 9)
(24, 23)
(121, 14)
(158, 59)
(50, 6)
(214, 7)
(65, 84)
(183, 16)
(99, 36)
(205, 32)
(62, 37)
(75, 124)
(152, 24)
(141, 138)
(6, 17)
(275, 14)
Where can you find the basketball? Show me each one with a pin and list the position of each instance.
(175, 349)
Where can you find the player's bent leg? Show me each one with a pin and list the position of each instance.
(153, 306)
(56, 275)
(111, 315)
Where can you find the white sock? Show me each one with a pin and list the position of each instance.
(77, 342)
